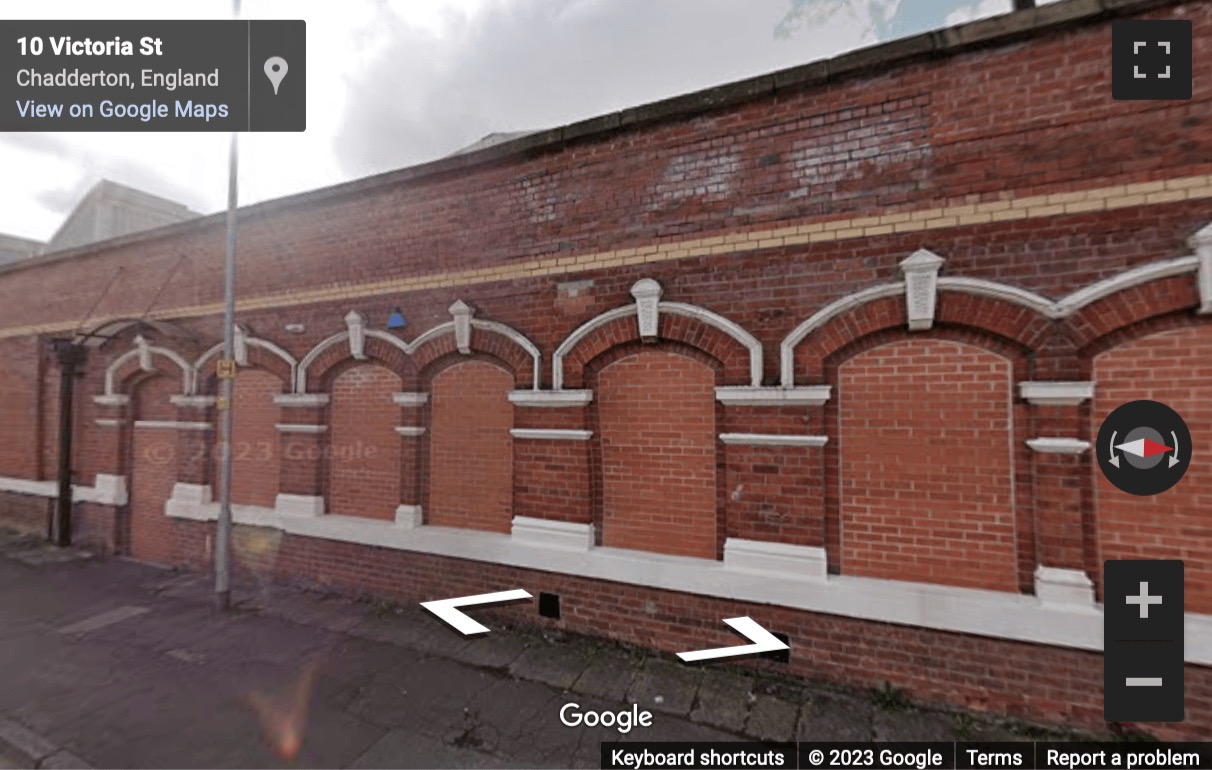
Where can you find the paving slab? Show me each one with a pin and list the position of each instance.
(665, 686)
(416, 629)
(329, 613)
(521, 720)
(63, 760)
(440, 690)
(608, 676)
(912, 725)
(11, 761)
(355, 661)
(24, 742)
(407, 749)
(556, 665)
(493, 650)
(772, 719)
(724, 700)
(835, 717)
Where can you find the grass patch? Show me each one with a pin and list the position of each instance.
(890, 698)
(384, 608)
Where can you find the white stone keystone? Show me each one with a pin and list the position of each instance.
(647, 293)
(357, 334)
(1202, 243)
(921, 287)
(462, 313)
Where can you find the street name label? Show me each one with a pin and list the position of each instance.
(153, 76)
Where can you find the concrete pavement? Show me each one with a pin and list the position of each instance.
(117, 664)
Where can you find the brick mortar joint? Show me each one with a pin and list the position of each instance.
(1028, 207)
(883, 56)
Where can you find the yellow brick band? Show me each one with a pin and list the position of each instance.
(960, 215)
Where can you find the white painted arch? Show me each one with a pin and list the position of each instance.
(1052, 309)
(188, 382)
(410, 348)
(251, 342)
(729, 327)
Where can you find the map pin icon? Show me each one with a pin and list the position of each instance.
(275, 70)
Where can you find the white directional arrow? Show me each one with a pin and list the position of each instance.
(447, 610)
(763, 641)
(1114, 457)
(1174, 457)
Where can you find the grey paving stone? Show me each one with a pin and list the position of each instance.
(406, 749)
(556, 665)
(665, 686)
(313, 610)
(772, 719)
(415, 630)
(834, 717)
(912, 725)
(493, 650)
(608, 676)
(970, 728)
(518, 719)
(10, 761)
(64, 760)
(431, 693)
(25, 741)
(723, 700)
(355, 661)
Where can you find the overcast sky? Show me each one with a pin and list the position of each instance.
(392, 83)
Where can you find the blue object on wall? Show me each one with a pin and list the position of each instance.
(396, 320)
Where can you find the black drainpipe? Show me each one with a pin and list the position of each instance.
(71, 356)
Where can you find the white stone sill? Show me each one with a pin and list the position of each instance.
(963, 610)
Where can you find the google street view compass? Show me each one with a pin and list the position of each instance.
(1144, 448)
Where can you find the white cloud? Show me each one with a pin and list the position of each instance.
(396, 82)
(981, 10)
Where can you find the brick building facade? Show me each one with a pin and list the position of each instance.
(826, 348)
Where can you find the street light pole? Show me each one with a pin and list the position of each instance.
(227, 382)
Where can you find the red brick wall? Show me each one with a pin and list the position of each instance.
(363, 450)
(969, 130)
(954, 130)
(927, 470)
(471, 451)
(26, 513)
(656, 417)
(154, 459)
(18, 408)
(255, 442)
(1175, 368)
(1052, 684)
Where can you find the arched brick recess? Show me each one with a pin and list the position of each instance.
(148, 534)
(442, 351)
(335, 361)
(993, 316)
(926, 465)
(129, 374)
(363, 450)
(690, 333)
(470, 447)
(657, 458)
(1173, 366)
(260, 358)
(1101, 324)
(255, 442)
(812, 352)
(988, 316)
